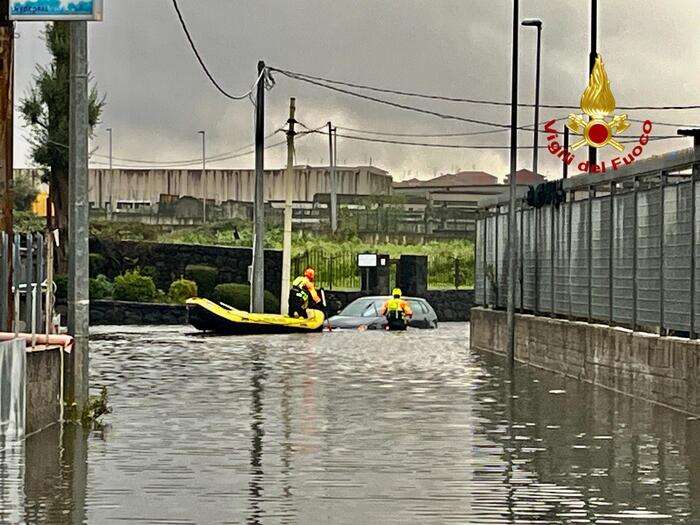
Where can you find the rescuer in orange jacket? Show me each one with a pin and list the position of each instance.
(301, 291)
(397, 311)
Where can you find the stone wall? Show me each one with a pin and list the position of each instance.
(450, 305)
(43, 388)
(123, 313)
(169, 261)
(664, 370)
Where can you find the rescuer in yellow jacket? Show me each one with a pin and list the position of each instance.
(397, 311)
(301, 290)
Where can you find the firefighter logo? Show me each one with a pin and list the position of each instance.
(598, 103)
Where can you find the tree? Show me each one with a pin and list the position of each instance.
(25, 192)
(45, 110)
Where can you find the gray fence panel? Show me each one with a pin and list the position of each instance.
(677, 231)
(529, 251)
(648, 252)
(490, 259)
(623, 258)
(579, 259)
(519, 262)
(544, 263)
(4, 276)
(561, 260)
(12, 389)
(479, 263)
(503, 260)
(600, 277)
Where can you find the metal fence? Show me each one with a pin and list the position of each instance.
(622, 249)
(449, 272)
(23, 291)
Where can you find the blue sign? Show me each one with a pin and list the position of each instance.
(56, 9)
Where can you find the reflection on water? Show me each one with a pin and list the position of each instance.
(349, 428)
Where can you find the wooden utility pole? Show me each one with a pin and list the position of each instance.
(258, 277)
(288, 200)
(7, 39)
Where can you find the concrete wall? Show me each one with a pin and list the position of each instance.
(663, 370)
(237, 185)
(43, 388)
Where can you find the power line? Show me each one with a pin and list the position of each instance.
(204, 66)
(389, 103)
(469, 146)
(308, 78)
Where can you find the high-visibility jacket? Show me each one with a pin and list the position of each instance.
(304, 288)
(396, 308)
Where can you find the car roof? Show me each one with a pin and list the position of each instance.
(378, 297)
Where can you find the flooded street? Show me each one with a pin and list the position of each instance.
(349, 427)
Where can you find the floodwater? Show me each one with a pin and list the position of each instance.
(349, 427)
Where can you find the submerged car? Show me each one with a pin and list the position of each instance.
(364, 313)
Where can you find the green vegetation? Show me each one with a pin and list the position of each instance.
(61, 282)
(238, 296)
(97, 264)
(28, 222)
(45, 112)
(181, 290)
(205, 276)
(101, 288)
(132, 286)
(25, 192)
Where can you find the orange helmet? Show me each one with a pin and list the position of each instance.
(309, 274)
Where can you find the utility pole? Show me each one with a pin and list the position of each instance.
(78, 221)
(7, 40)
(331, 174)
(204, 175)
(592, 152)
(111, 175)
(288, 198)
(258, 279)
(565, 166)
(512, 223)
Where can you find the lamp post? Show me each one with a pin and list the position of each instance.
(536, 22)
(512, 222)
(204, 175)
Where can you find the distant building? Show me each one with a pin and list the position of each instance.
(525, 177)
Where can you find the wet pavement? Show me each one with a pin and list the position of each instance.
(349, 427)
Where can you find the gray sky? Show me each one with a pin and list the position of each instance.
(158, 97)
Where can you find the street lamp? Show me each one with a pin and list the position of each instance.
(512, 222)
(204, 174)
(536, 22)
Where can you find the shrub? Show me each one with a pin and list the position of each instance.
(149, 271)
(238, 296)
(97, 264)
(132, 286)
(181, 290)
(100, 287)
(205, 276)
(61, 282)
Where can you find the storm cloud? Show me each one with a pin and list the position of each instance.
(158, 97)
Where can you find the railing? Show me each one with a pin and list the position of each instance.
(449, 272)
(622, 249)
(23, 292)
(334, 272)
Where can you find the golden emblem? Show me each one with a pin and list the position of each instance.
(598, 102)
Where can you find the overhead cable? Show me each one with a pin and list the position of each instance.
(300, 76)
(263, 76)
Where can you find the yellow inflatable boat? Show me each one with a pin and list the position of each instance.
(206, 315)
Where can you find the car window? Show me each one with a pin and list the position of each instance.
(357, 308)
(418, 306)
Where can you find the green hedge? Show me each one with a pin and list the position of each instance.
(132, 286)
(181, 290)
(100, 287)
(238, 296)
(61, 282)
(97, 264)
(205, 276)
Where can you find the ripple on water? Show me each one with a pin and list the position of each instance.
(349, 427)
